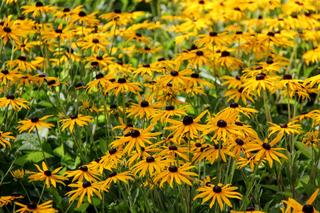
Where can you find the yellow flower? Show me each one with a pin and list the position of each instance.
(4, 136)
(47, 176)
(179, 174)
(6, 200)
(220, 193)
(15, 103)
(266, 151)
(45, 207)
(34, 123)
(75, 120)
(188, 127)
(82, 189)
(115, 177)
(150, 165)
(290, 128)
(296, 207)
(18, 173)
(83, 173)
(38, 9)
(135, 139)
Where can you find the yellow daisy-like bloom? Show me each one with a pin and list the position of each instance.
(45, 207)
(188, 127)
(296, 207)
(75, 120)
(250, 209)
(220, 193)
(34, 123)
(83, 173)
(168, 112)
(83, 189)
(144, 109)
(312, 138)
(237, 108)
(213, 153)
(135, 139)
(38, 9)
(18, 173)
(291, 128)
(151, 165)
(122, 86)
(47, 176)
(4, 136)
(223, 125)
(260, 82)
(266, 151)
(179, 175)
(111, 159)
(115, 177)
(15, 103)
(6, 200)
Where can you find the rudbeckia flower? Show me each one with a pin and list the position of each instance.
(115, 177)
(45, 207)
(150, 165)
(135, 139)
(82, 189)
(4, 139)
(294, 206)
(290, 128)
(15, 103)
(34, 123)
(266, 151)
(178, 174)
(47, 176)
(220, 193)
(75, 120)
(38, 9)
(83, 173)
(188, 127)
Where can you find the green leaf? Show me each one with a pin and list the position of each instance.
(304, 150)
(59, 150)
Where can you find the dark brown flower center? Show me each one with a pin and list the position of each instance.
(47, 173)
(173, 169)
(74, 116)
(234, 105)
(134, 133)
(82, 14)
(66, 10)
(308, 208)
(112, 174)
(225, 53)
(58, 31)
(199, 53)
(217, 189)
(283, 125)
(174, 73)
(271, 34)
(146, 65)
(122, 80)
(250, 208)
(22, 58)
(187, 120)
(239, 142)
(7, 29)
(80, 84)
(169, 107)
(221, 123)
(266, 146)
(51, 82)
(213, 34)
(173, 148)
(287, 77)
(144, 104)
(260, 76)
(198, 144)
(10, 96)
(95, 40)
(83, 168)
(34, 119)
(39, 4)
(86, 184)
(112, 151)
(5, 72)
(194, 75)
(32, 205)
(99, 75)
(150, 159)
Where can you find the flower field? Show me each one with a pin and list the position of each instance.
(160, 106)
